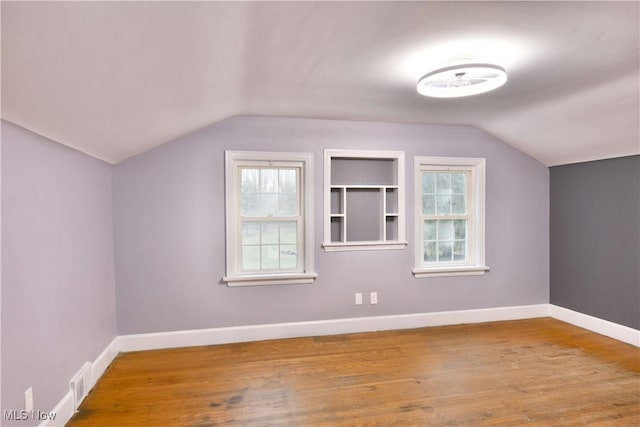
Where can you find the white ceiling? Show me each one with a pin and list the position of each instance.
(114, 79)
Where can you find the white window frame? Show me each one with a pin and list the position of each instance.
(234, 160)
(475, 264)
(395, 156)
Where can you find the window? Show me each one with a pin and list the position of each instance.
(364, 200)
(449, 200)
(269, 218)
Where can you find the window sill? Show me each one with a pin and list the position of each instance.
(270, 279)
(362, 246)
(473, 270)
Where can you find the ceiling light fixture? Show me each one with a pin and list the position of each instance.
(462, 80)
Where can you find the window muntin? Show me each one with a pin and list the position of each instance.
(449, 216)
(269, 218)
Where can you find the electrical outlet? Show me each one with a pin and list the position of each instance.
(358, 298)
(374, 297)
(28, 399)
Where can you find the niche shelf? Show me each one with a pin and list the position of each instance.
(363, 200)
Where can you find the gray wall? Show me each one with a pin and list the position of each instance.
(169, 231)
(58, 291)
(595, 239)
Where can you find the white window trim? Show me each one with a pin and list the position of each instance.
(476, 265)
(398, 156)
(233, 160)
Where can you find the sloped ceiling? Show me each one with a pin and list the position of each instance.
(114, 79)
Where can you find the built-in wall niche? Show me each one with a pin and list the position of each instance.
(363, 200)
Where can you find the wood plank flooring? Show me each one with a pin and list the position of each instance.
(539, 372)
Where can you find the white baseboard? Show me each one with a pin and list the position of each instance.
(103, 361)
(323, 327)
(595, 324)
(62, 412)
(64, 409)
(160, 340)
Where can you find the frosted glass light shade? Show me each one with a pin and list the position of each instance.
(462, 80)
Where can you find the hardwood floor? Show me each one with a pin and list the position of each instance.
(538, 372)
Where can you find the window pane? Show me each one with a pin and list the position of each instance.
(251, 233)
(270, 258)
(268, 204)
(459, 251)
(458, 204)
(251, 257)
(428, 182)
(428, 204)
(269, 245)
(445, 230)
(250, 204)
(445, 240)
(268, 180)
(287, 204)
(443, 183)
(430, 252)
(288, 232)
(249, 180)
(443, 205)
(430, 230)
(288, 181)
(270, 233)
(269, 192)
(460, 226)
(445, 250)
(288, 256)
(458, 183)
